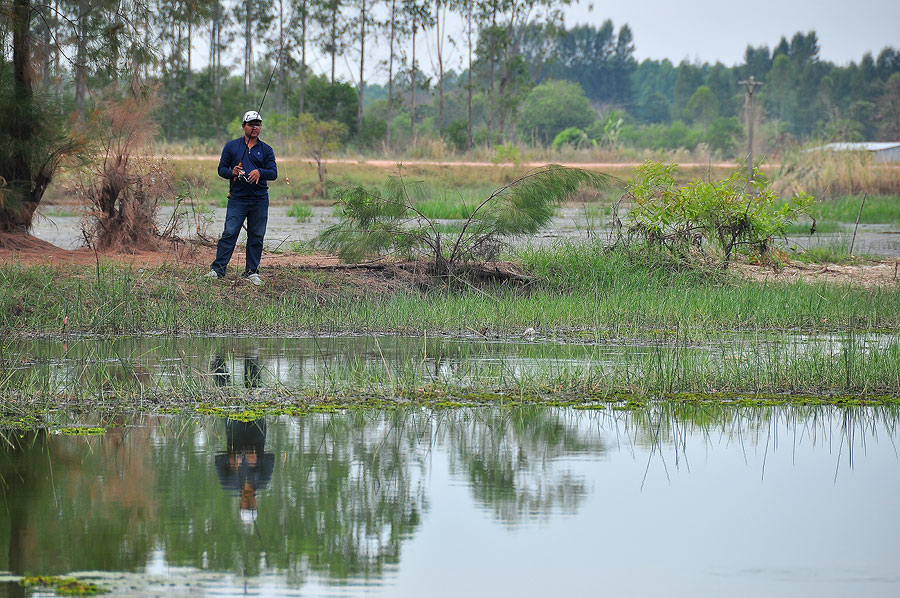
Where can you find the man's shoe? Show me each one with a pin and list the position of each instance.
(212, 274)
(253, 279)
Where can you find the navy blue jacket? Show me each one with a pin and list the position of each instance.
(261, 157)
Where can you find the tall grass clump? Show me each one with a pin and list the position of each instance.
(300, 212)
(826, 173)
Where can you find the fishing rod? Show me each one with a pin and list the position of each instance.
(274, 68)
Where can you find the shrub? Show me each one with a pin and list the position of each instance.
(726, 215)
(572, 136)
(456, 134)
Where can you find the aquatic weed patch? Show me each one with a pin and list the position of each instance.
(63, 586)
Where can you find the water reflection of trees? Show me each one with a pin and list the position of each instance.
(511, 458)
(345, 489)
(76, 503)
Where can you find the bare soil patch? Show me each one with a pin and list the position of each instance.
(872, 274)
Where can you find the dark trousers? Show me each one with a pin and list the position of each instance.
(256, 212)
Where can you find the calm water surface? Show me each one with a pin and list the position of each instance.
(665, 501)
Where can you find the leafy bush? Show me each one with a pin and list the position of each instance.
(572, 136)
(725, 215)
(456, 134)
(373, 131)
(126, 184)
(507, 153)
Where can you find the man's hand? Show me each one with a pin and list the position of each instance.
(237, 170)
(253, 176)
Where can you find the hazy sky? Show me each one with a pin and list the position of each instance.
(711, 30)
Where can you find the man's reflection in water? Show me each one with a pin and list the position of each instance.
(219, 369)
(252, 371)
(245, 468)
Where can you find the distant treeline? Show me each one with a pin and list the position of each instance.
(508, 59)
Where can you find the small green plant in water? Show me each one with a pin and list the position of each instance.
(301, 212)
(62, 586)
(81, 431)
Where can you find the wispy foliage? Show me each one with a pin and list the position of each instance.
(378, 222)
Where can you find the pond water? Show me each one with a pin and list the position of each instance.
(530, 501)
(572, 223)
(49, 365)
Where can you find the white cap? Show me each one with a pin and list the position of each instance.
(248, 515)
(251, 115)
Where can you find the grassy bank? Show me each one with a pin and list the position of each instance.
(580, 291)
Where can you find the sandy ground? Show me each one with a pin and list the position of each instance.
(28, 250)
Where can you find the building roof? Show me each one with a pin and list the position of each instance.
(867, 146)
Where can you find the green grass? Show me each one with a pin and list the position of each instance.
(301, 212)
(803, 227)
(832, 252)
(584, 291)
(878, 209)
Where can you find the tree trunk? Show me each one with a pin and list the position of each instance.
(440, 59)
(21, 126)
(362, 57)
(247, 52)
(190, 45)
(281, 82)
(412, 87)
(491, 49)
(45, 52)
(390, 104)
(469, 83)
(218, 72)
(81, 56)
(303, 20)
(333, 48)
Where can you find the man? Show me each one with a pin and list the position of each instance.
(247, 163)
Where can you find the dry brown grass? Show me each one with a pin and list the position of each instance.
(126, 186)
(828, 174)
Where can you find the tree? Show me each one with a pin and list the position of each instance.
(889, 108)
(365, 22)
(38, 136)
(703, 106)
(418, 12)
(553, 106)
(320, 138)
(780, 86)
(337, 101)
(690, 77)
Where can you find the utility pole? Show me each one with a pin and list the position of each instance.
(751, 85)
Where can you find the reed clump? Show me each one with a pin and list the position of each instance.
(826, 174)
